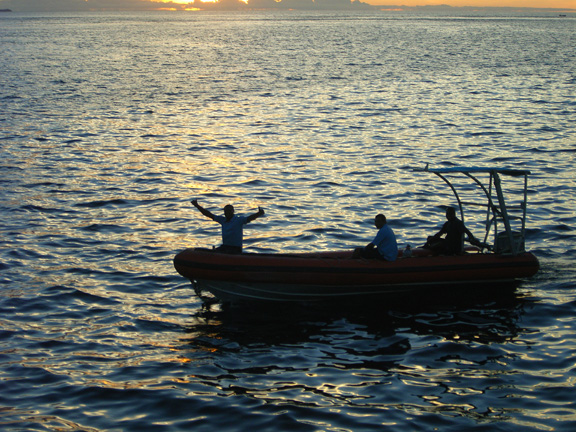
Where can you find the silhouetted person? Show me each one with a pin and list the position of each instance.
(232, 226)
(453, 242)
(384, 245)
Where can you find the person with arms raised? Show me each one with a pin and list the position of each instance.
(232, 226)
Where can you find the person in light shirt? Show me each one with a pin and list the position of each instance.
(232, 226)
(384, 245)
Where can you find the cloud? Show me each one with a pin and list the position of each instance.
(143, 5)
(84, 5)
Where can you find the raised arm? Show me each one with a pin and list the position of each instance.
(256, 215)
(202, 209)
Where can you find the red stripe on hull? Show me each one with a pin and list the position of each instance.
(339, 269)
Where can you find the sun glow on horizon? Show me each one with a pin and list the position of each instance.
(189, 2)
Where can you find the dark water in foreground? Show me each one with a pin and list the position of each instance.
(110, 124)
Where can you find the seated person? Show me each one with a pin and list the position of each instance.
(383, 246)
(453, 242)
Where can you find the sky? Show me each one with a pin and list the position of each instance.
(78, 5)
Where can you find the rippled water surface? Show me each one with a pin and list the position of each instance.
(111, 123)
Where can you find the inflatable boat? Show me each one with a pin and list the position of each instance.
(340, 274)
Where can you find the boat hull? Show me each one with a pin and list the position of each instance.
(320, 276)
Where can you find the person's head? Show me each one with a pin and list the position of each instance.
(450, 213)
(229, 211)
(380, 220)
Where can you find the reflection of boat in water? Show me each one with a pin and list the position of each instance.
(326, 275)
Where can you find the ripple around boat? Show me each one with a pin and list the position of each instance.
(338, 274)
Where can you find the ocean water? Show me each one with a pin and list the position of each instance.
(111, 123)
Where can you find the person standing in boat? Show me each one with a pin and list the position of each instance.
(384, 245)
(232, 226)
(453, 242)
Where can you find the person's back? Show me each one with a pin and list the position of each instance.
(386, 244)
(454, 241)
(232, 230)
